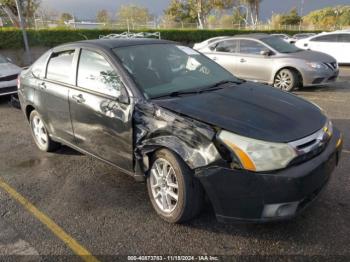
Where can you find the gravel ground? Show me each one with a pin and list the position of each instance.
(109, 213)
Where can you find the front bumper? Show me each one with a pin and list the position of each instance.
(319, 77)
(8, 87)
(239, 195)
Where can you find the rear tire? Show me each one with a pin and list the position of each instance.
(40, 134)
(176, 195)
(286, 80)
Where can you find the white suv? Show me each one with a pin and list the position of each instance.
(336, 44)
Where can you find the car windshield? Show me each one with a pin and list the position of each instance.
(279, 45)
(3, 60)
(161, 69)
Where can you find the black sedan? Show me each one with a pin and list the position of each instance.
(166, 114)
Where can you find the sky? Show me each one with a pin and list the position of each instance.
(86, 9)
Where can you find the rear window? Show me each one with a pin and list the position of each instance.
(60, 66)
(325, 38)
(344, 38)
(39, 67)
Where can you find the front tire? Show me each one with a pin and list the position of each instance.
(176, 195)
(40, 134)
(286, 80)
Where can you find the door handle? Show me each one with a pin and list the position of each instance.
(215, 58)
(42, 85)
(78, 98)
(243, 60)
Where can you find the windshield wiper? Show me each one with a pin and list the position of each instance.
(220, 84)
(213, 87)
(176, 94)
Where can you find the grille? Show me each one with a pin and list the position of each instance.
(333, 66)
(309, 147)
(8, 78)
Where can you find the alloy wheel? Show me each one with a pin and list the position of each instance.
(284, 80)
(164, 185)
(39, 131)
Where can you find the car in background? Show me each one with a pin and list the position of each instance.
(8, 76)
(268, 59)
(299, 36)
(285, 38)
(167, 114)
(335, 44)
(208, 41)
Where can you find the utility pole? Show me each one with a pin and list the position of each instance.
(25, 38)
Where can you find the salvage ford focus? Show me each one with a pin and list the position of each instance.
(166, 114)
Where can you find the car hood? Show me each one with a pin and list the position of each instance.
(7, 69)
(313, 56)
(251, 110)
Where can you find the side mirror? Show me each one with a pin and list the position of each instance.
(265, 52)
(9, 59)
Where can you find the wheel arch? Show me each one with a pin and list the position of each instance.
(28, 110)
(301, 80)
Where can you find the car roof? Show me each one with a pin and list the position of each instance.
(115, 43)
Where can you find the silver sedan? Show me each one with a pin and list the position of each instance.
(268, 59)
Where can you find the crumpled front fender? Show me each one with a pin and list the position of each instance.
(156, 127)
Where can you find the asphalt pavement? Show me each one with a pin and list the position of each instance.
(109, 214)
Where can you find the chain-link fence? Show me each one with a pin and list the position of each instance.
(129, 25)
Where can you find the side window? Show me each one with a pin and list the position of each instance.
(251, 47)
(325, 38)
(60, 66)
(228, 46)
(344, 38)
(96, 74)
(39, 66)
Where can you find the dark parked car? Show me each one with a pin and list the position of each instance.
(167, 114)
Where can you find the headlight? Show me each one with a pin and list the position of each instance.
(328, 128)
(257, 155)
(314, 65)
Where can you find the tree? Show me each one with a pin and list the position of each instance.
(179, 11)
(133, 14)
(29, 8)
(254, 8)
(199, 11)
(65, 17)
(291, 18)
(329, 17)
(103, 16)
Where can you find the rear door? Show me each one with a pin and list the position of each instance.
(252, 65)
(100, 111)
(53, 94)
(225, 54)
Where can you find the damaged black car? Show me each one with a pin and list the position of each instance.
(166, 114)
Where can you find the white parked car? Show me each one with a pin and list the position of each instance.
(8, 76)
(336, 44)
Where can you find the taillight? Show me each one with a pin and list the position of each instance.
(18, 82)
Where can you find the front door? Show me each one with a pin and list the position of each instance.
(100, 111)
(251, 64)
(225, 54)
